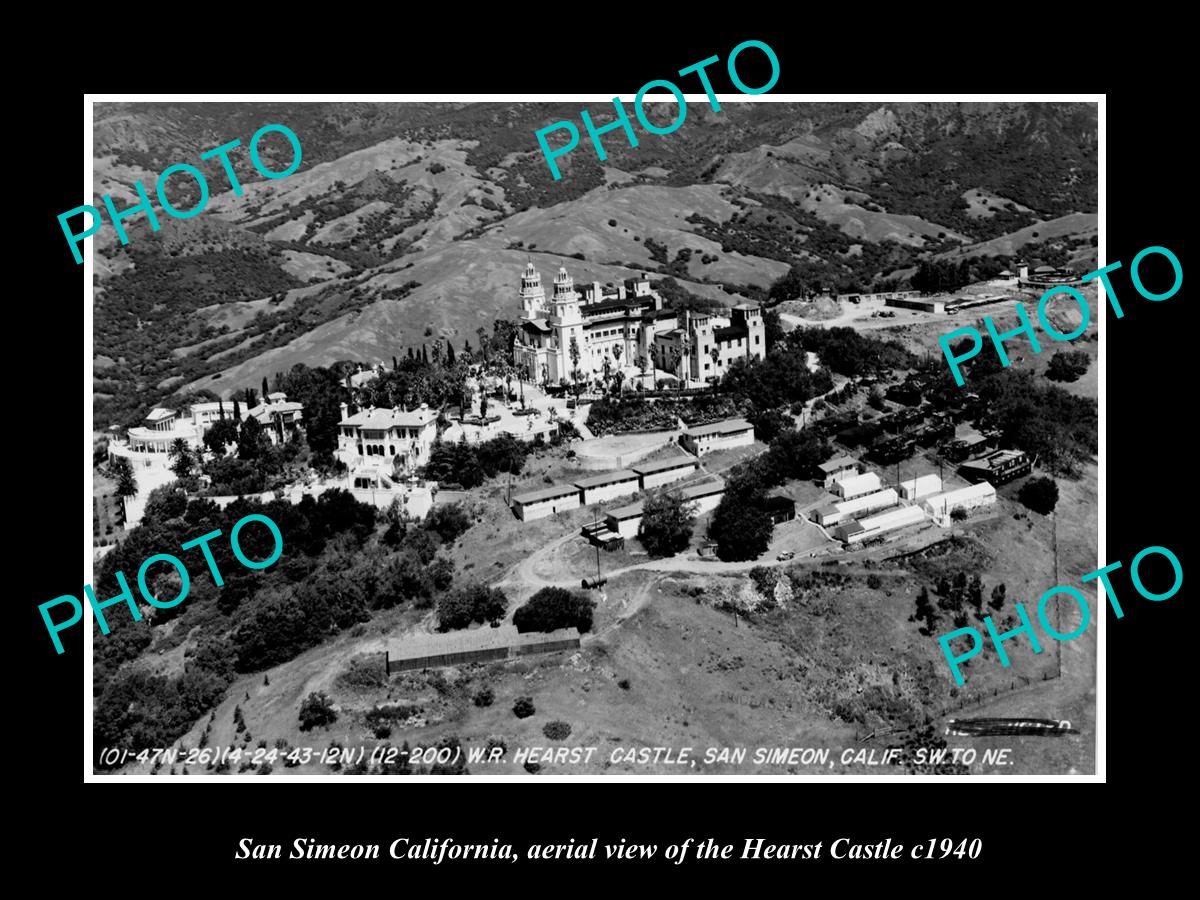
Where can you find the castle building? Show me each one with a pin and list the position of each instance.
(575, 333)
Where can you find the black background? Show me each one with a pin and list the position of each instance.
(189, 828)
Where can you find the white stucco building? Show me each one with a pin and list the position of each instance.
(400, 438)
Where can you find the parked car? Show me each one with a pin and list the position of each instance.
(785, 555)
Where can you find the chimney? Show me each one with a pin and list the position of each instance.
(345, 410)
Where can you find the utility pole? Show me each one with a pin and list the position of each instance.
(596, 523)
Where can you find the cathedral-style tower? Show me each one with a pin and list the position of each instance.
(566, 298)
(533, 295)
(568, 327)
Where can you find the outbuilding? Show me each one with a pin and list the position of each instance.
(921, 486)
(837, 468)
(608, 485)
(545, 502)
(858, 506)
(624, 520)
(882, 524)
(703, 439)
(704, 496)
(664, 471)
(857, 485)
(941, 506)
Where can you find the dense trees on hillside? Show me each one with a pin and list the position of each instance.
(322, 393)
(1054, 427)
(779, 379)
(740, 525)
(852, 353)
(332, 573)
(937, 276)
(469, 464)
(416, 382)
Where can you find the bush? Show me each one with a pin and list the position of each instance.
(485, 697)
(448, 521)
(623, 684)
(316, 712)
(666, 526)
(1068, 365)
(557, 730)
(958, 515)
(473, 603)
(874, 582)
(523, 708)
(552, 608)
(1039, 494)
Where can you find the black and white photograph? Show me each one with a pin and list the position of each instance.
(483, 438)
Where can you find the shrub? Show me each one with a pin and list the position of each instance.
(485, 697)
(552, 608)
(448, 521)
(523, 708)
(874, 582)
(557, 730)
(958, 515)
(1039, 494)
(1068, 365)
(316, 711)
(472, 603)
(623, 684)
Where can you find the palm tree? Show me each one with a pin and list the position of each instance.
(685, 356)
(122, 471)
(574, 354)
(181, 458)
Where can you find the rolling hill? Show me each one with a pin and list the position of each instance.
(405, 218)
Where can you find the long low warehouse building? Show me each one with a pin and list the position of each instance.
(855, 532)
(941, 506)
(599, 488)
(664, 471)
(866, 503)
(703, 439)
(703, 497)
(856, 485)
(485, 644)
(545, 502)
(922, 486)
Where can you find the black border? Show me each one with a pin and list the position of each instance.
(1028, 826)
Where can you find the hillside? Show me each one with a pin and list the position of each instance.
(412, 218)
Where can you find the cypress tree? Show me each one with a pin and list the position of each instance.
(264, 389)
(220, 409)
(449, 353)
(424, 354)
(237, 414)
